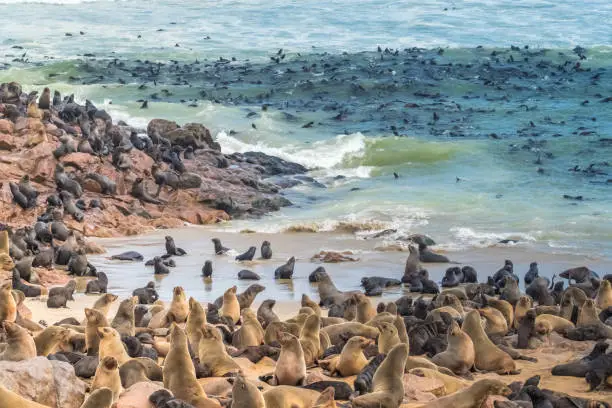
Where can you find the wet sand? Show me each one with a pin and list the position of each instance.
(126, 276)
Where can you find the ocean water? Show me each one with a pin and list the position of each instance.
(489, 111)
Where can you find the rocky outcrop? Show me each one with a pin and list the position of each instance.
(107, 160)
(51, 383)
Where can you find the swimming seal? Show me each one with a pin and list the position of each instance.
(219, 249)
(207, 269)
(285, 271)
(248, 255)
(266, 250)
(171, 248)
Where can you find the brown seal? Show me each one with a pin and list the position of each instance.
(488, 356)
(388, 337)
(49, 339)
(231, 307)
(44, 102)
(604, 295)
(245, 394)
(104, 303)
(504, 307)
(352, 360)
(275, 328)
(20, 345)
(111, 345)
(100, 398)
(520, 310)
(326, 399)
(459, 354)
(546, 324)
(196, 320)
(308, 302)
(213, 355)
(401, 330)
(8, 306)
(473, 396)
(310, 340)
(179, 372)
(496, 322)
(265, 314)
(387, 383)
(95, 320)
(352, 329)
(14, 400)
(250, 333)
(107, 375)
(124, 321)
(284, 396)
(451, 383)
(365, 310)
(589, 316)
(179, 307)
(139, 369)
(290, 367)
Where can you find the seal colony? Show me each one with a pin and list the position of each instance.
(464, 342)
(72, 173)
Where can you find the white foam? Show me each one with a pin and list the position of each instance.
(326, 154)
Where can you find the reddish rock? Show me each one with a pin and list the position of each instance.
(160, 127)
(6, 126)
(81, 161)
(8, 142)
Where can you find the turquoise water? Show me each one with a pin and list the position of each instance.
(495, 163)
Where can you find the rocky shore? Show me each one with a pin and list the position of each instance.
(110, 161)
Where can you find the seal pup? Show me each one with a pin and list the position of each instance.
(107, 376)
(488, 356)
(459, 355)
(219, 249)
(285, 271)
(248, 255)
(20, 345)
(171, 248)
(266, 250)
(207, 269)
(387, 384)
(179, 372)
(363, 382)
(98, 285)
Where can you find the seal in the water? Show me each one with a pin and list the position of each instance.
(428, 256)
(160, 268)
(147, 295)
(171, 248)
(207, 269)
(97, 285)
(285, 271)
(128, 256)
(248, 255)
(266, 250)
(219, 249)
(245, 274)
